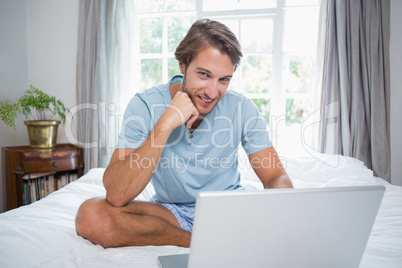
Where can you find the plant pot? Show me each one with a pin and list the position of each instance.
(42, 135)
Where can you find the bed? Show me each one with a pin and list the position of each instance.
(43, 234)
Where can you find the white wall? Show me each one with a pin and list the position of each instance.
(13, 70)
(38, 46)
(52, 30)
(396, 92)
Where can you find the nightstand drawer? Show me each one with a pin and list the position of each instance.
(51, 165)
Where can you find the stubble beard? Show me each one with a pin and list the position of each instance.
(192, 98)
(186, 90)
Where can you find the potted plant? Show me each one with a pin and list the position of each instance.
(41, 107)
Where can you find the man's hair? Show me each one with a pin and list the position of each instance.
(206, 33)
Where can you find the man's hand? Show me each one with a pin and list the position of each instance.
(181, 110)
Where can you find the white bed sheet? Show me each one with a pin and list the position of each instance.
(43, 233)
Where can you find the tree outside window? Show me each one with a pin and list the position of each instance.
(278, 38)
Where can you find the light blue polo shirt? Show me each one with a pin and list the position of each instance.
(205, 160)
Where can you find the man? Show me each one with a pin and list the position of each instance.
(183, 137)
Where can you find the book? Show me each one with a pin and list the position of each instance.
(64, 180)
(73, 176)
(46, 183)
(32, 190)
(37, 189)
(24, 193)
(27, 194)
(42, 188)
(51, 183)
(36, 175)
(39, 185)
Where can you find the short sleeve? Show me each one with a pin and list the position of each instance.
(255, 135)
(136, 125)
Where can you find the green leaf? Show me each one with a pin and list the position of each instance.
(34, 103)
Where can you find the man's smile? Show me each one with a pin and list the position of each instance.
(206, 100)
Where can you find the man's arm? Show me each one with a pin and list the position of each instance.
(129, 171)
(127, 175)
(269, 169)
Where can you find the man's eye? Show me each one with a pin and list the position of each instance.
(203, 74)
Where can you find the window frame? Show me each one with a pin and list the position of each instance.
(278, 93)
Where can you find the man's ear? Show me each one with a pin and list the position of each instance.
(182, 67)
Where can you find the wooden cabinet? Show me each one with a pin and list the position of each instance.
(21, 163)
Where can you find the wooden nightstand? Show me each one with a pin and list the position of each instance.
(23, 168)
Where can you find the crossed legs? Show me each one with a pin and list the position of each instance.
(136, 224)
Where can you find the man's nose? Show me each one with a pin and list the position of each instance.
(212, 89)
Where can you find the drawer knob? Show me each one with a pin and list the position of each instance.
(55, 164)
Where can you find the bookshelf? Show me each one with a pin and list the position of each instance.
(30, 176)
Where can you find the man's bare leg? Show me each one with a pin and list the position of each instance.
(136, 224)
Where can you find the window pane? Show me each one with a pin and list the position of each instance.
(256, 35)
(181, 5)
(234, 82)
(302, 2)
(297, 110)
(147, 6)
(177, 29)
(173, 67)
(264, 106)
(299, 73)
(256, 4)
(300, 30)
(151, 72)
(214, 5)
(257, 74)
(151, 35)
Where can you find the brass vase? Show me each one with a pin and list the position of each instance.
(42, 135)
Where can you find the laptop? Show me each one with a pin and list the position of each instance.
(320, 227)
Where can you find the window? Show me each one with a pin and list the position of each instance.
(278, 38)
(160, 26)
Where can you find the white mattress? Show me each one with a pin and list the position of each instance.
(43, 233)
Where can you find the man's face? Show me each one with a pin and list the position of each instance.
(207, 78)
